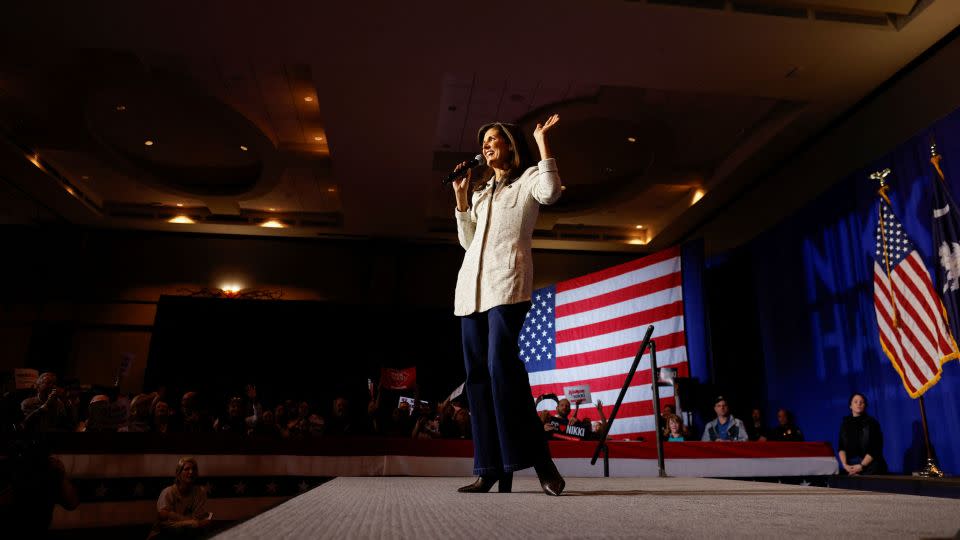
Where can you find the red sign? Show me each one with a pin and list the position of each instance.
(398, 379)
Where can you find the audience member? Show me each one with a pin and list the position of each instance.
(724, 427)
(401, 421)
(674, 429)
(667, 411)
(139, 420)
(234, 421)
(786, 429)
(181, 508)
(267, 427)
(32, 483)
(339, 422)
(49, 410)
(99, 417)
(448, 425)
(861, 441)
(755, 428)
(563, 412)
(281, 418)
(299, 426)
(372, 421)
(194, 419)
(462, 419)
(161, 417)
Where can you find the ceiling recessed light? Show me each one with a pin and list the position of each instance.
(148, 142)
(273, 224)
(180, 204)
(231, 288)
(308, 99)
(563, 188)
(331, 189)
(272, 209)
(244, 148)
(631, 139)
(318, 138)
(181, 219)
(121, 108)
(639, 226)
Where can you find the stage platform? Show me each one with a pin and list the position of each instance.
(405, 507)
(244, 477)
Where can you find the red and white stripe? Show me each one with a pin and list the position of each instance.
(600, 320)
(914, 336)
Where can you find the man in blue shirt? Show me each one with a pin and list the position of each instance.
(725, 427)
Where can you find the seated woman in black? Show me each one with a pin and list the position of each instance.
(861, 442)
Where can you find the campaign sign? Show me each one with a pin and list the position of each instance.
(578, 394)
(667, 375)
(409, 401)
(571, 432)
(25, 377)
(398, 379)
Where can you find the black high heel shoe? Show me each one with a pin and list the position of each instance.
(483, 483)
(506, 483)
(550, 479)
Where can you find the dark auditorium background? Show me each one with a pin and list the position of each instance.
(364, 277)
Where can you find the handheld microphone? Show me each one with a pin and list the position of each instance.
(477, 160)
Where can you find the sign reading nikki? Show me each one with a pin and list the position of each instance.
(570, 432)
(578, 394)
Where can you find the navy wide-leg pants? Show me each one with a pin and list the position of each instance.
(507, 435)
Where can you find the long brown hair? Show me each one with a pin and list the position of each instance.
(519, 155)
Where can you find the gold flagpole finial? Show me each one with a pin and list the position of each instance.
(881, 176)
(935, 158)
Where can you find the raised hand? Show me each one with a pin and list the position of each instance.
(540, 135)
(541, 130)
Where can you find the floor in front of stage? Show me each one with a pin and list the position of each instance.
(418, 507)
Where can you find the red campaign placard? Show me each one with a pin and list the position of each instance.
(398, 379)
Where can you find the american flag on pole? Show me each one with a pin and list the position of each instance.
(910, 315)
(587, 330)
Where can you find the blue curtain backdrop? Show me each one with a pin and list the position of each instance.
(813, 279)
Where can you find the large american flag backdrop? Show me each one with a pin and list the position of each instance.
(587, 330)
(910, 315)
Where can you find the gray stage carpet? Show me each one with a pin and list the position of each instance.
(411, 507)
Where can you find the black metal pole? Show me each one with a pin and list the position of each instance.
(606, 461)
(623, 392)
(930, 469)
(657, 420)
(926, 432)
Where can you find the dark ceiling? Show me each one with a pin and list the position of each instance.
(339, 121)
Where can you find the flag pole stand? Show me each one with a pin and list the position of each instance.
(657, 419)
(930, 469)
(602, 444)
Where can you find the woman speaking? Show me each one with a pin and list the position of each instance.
(493, 297)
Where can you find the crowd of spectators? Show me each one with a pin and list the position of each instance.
(56, 408)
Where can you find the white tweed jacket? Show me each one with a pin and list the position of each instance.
(497, 268)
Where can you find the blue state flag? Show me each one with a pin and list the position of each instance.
(946, 238)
